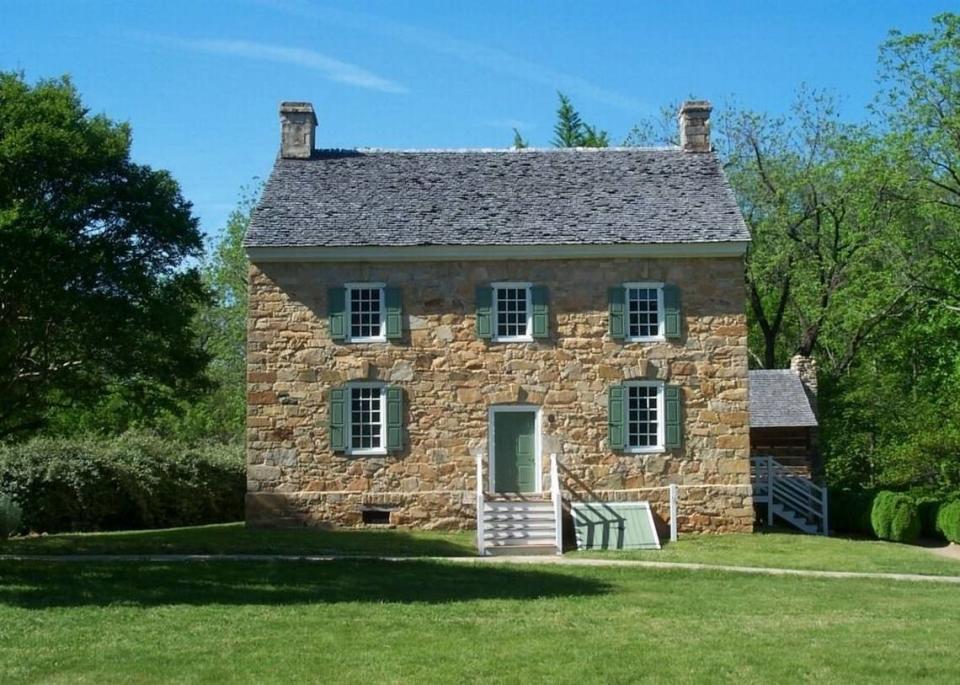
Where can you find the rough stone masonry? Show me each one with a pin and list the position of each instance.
(451, 378)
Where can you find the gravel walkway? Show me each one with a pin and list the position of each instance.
(532, 560)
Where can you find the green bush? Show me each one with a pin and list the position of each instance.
(850, 511)
(134, 481)
(948, 521)
(895, 517)
(10, 516)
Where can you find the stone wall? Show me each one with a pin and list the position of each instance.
(451, 378)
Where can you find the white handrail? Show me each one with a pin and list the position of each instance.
(555, 495)
(480, 541)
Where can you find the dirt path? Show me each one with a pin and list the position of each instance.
(950, 551)
(531, 560)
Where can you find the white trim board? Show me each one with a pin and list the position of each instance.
(491, 447)
(446, 253)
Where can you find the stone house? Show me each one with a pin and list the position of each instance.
(432, 332)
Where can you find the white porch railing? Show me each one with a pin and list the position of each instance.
(557, 498)
(796, 499)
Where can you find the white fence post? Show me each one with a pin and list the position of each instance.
(480, 540)
(674, 524)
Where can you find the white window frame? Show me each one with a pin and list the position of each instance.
(661, 321)
(661, 419)
(348, 420)
(349, 288)
(495, 314)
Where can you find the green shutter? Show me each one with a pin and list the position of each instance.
(615, 412)
(394, 307)
(484, 312)
(394, 418)
(616, 298)
(673, 425)
(338, 408)
(336, 311)
(541, 311)
(671, 311)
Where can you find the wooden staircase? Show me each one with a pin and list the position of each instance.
(519, 525)
(790, 497)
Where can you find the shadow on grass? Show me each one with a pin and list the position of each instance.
(37, 585)
(235, 538)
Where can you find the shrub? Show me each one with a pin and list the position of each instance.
(850, 511)
(10, 515)
(134, 481)
(927, 508)
(895, 517)
(948, 521)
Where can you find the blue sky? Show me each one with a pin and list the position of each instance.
(200, 80)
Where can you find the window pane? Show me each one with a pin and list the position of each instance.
(365, 423)
(511, 312)
(642, 420)
(365, 312)
(643, 315)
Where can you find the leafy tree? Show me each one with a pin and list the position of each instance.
(518, 142)
(571, 131)
(95, 287)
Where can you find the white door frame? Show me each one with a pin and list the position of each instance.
(491, 444)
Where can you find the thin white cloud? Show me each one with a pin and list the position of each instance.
(508, 124)
(472, 53)
(330, 67)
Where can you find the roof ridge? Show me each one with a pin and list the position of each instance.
(493, 150)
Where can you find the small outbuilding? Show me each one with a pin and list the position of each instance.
(783, 415)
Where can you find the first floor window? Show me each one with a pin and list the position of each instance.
(644, 311)
(511, 306)
(365, 310)
(367, 419)
(643, 416)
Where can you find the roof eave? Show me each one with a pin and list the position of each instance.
(418, 253)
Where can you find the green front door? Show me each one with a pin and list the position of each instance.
(514, 460)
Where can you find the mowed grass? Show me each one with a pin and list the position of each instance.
(422, 622)
(788, 550)
(235, 538)
(773, 549)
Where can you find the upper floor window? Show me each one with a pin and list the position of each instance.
(512, 312)
(644, 305)
(365, 312)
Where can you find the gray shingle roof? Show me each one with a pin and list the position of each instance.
(778, 400)
(506, 197)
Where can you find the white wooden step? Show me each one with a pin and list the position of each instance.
(519, 535)
(519, 516)
(498, 550)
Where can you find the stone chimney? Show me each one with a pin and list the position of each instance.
(694, 120)
(806, 368)
(298, 130)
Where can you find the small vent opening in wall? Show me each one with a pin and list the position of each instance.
(376, 517)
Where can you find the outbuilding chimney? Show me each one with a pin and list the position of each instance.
(694, 119)
(806, 369)
(298, 130)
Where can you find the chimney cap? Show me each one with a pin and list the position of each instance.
(698, 106)
(291, 107)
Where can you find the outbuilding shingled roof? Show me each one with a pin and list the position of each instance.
(778, 400)
(506, 197)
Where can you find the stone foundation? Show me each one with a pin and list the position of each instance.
(451, 378)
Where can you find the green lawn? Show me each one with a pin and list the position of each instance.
(787, 550)
(779, 550)
(235, 538)
(420, 621)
